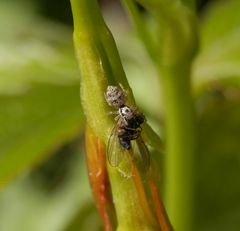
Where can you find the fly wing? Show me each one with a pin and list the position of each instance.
(144, 152)
(114, 151)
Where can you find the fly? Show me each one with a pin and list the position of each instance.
(126, 130)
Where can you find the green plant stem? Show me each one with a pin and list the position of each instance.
(100, 64)
(86, 15)
(140, 26)
(176, 47)
(180, 144)
(190, 3)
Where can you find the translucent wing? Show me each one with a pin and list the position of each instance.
(144, 153)
(114, 151)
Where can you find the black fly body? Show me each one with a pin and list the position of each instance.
(126, 129)
(129, 128)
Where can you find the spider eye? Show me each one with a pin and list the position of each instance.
(126, 110)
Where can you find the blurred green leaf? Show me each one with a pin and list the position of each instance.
(25, 207)
(217, 169)
(220, 20)
(33, 50)
(87, 218)
(219, 56)
(39, 89)
(35, 123)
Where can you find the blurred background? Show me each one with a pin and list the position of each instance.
(43, 177)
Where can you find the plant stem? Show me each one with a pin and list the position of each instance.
(190, 3)
(180, 144)
(100, 64)
(86, 15)
(140, 26)
(176, 47)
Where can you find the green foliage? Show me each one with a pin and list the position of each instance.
(26, 205)
(40, 114)
(38, 122)
(40, 108)
(220, 48)
(217, 78)
(217, 165)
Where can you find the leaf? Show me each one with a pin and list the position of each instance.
(87, 218)
(217, 167)
(26, 207)
(220, 47)
(219, 21)
(33, 50)
(39, 90)
(34, 124)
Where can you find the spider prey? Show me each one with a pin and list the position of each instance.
(127, 127)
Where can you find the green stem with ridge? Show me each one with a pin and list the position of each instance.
(174, 52)
(180, 145)
(100, 65)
